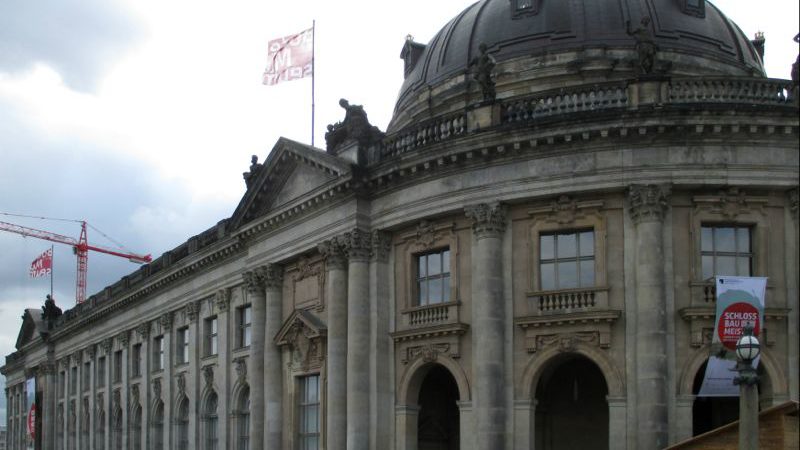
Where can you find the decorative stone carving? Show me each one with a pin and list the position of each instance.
(222, 299)
(381, 244)
(240, 365)
(646, 49)
(64, 363)
(356, 244)
(428, 352)
(273, 276)
(304, 335)
(305, 269)
(157, 387)
(144, 330)
(117, 402)
(91, 351)
(488, 219)
(50, 312)
(355, 127)
(47, 368)
(483, 72)
(166, 321)
(100, 404)
(208, 375)
(193, 310)
(307, 283)
(425, 235)
(333, 254)
(255, 169)
(567, 330)
(730, 203)
(647, 203)
(254, 280)
(567, 342)
(135, 394)
(124, 338)
(77, 357)
(793, 201)
(181, 382)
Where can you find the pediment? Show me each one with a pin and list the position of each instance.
(300, 325)
(31, 329)
(291, 172)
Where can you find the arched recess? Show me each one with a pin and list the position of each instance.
(776, 378)
(210, 420)
(542, 360)
(241, 414)
(416, 372)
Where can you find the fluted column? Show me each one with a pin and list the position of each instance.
(488, 324)
(648, 205)
(273, 374)
(254, 281)
(336, 386)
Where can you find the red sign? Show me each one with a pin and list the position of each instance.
(32, 422)
(733, 320)
(290, 58)
(43, 265)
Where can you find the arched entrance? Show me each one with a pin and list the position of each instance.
(571, 405)
(438, 420)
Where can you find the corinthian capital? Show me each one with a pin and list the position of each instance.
(273, 276)
(333, 254)
(488, 219)
(356, 244)
(254, 280)
(381, 244)
(647, 202)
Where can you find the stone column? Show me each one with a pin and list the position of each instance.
(144, 387)
(488, 324)
(91, 354)
(336, 388)
(48, 371)
(356, 245)
(647, 207)
(166, 379)
(194, 384)
(617, 424)
(78, 357)
(273, 373)
(792, 266)
(124, 340)
(222, 302)
(406, 419)
(380, 342)
(255, 294)
(106, 398)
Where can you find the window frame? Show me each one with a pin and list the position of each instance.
(446, 290)
(304, 404)
(117, 372)
(182, 346)
(211, 336)
(577, 259)
(244, 322)
(101, 372)
(714, 254)
(136, 360)
(157, 353)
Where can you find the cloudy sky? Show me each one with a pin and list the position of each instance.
(140, 116)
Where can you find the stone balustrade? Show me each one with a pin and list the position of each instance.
(565, 101)
(424, 133)
(568, 300)
(763, 91)
(430, 315)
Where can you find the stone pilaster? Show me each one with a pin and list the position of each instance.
(273, 373)
(380, 342)
(166, 385)
(48, 372)
(648, 204)
(255, 282)
(336, 386)
(792, 258)
(488, 324)
(144, 391)
(357, 246)
(221, 302)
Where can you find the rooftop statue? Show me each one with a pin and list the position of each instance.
(646, 45)
(355, 126)
(483, 72)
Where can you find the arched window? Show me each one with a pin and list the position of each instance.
(182, 425)
(100, 430)
(211, 422)
(85, 423)
(60, 425)
(117, 429)
(135, 430)
(243, 420)
(158, 426)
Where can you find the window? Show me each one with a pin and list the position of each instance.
(136, 360)
(243, 428)
(211, 419)
(158, 353)
(433, 278)
(566, 260)
(244, 319)
(158, 426)
(101, 371)
(726, 250)
(182, 346)
(73, 380)
(116, 430)
(117, 366)
(210, 336)
(62, 383)
(100, 430)
(87, 376)
(182, 425)
(524, 4)
(309, 420)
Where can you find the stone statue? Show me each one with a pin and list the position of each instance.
(483, 72)
(645, 45)
(796, 65)
(355, 126)
(50, 312)
(255, 167)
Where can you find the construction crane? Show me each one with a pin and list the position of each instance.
(80, 247)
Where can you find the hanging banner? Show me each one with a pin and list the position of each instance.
(740, 302)
(30, 419)
(43, 265)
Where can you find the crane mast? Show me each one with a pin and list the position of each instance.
(79, 246)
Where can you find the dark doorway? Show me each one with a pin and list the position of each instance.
(438, 425)
(571, 408)
(709, 413)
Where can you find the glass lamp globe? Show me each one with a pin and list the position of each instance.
(748, 348)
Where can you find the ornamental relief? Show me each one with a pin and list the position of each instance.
(566, 342)
(730, 204)
(304, 337)
(307, 280)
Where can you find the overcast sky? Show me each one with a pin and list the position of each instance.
(140, 116)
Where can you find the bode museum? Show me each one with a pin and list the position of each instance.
(523, 259)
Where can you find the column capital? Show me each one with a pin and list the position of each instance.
(333, 254)
(356, 244)
(273, 276)
(648, 203)
(381, 244)
(91, 351)
(124, 338)
(166, 321)
(254, 281)
(222, 299)
(488, 219)
(193, 310)
(144, 330)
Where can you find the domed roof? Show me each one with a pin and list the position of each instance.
(694, 29)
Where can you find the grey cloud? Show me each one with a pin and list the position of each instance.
(80, 39)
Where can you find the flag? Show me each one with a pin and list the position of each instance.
(43, 265)
(290, 58)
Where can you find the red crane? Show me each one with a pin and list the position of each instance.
(80, 247)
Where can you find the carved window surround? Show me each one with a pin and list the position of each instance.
(305, 338)
(429, 342)
(729, 206)
(701, 324)
(588, 327)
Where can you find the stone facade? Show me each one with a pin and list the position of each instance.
(462, 282)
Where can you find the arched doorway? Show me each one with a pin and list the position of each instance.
(571, 405)
(438, 420)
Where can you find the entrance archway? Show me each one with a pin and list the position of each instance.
(438, 420)
(571, 405)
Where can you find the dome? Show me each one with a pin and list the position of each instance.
(693, 35)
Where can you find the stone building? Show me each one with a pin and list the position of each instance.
(521, 260)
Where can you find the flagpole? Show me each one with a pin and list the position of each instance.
(52, 266)
(313, 73)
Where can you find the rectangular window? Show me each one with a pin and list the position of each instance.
(117, 366)
(244, 319)
(101, 371)
(566, 259)
(210, 334)
(62, 383)
(309, 420)
(433, 278)
(73, 380)
(158, 353)
(182, 346)
(726, 250)
(136, 360)
(87, 376)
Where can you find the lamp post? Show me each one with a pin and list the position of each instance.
(747, 350)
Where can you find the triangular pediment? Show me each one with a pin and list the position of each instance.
(300, 323)
(291, 173)
(31, 329)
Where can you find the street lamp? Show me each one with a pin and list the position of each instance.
(747, 349)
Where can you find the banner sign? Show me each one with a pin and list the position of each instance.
(740, 302)
(43, 265)
(290, 58)
(30, 419)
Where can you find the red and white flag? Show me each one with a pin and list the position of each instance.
(290, 58)
(43, 265)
